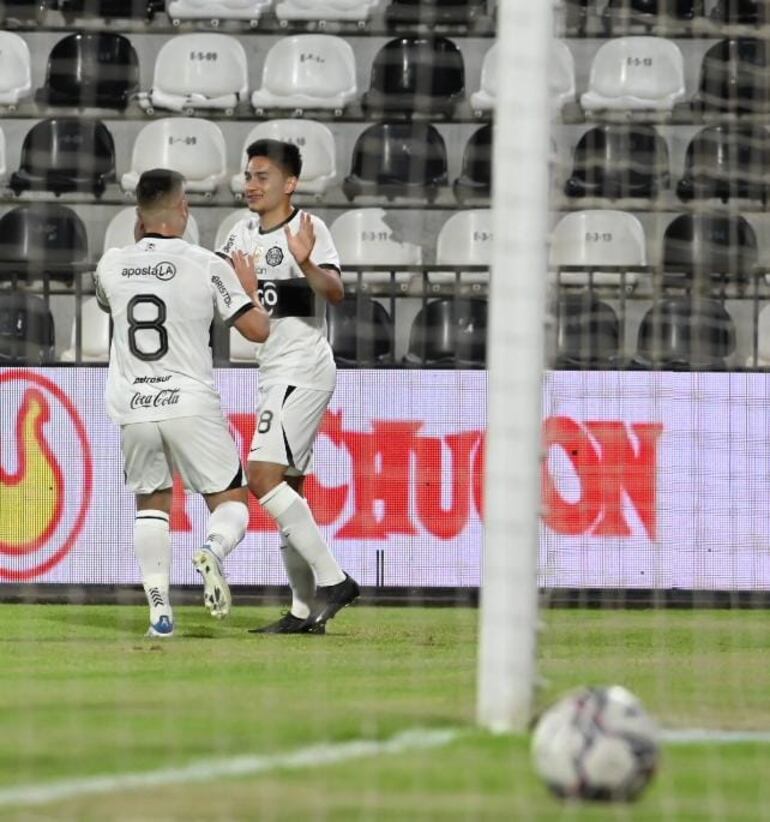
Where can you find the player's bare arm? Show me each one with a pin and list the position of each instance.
(255, 324)
(325, 282)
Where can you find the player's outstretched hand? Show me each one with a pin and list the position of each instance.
(301, 243)
(244, 268)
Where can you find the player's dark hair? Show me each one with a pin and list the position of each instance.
(285, 155)
(155, 185)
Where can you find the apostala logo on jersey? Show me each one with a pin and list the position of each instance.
(161, 271)
(274, 256)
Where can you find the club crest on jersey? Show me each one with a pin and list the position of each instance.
(161, 271)
(274, 256)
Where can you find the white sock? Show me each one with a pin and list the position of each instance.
(152, 546)
(226, 527)
(301, 579)
(296, 522)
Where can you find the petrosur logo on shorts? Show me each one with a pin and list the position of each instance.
(161, 271)
(46, 474)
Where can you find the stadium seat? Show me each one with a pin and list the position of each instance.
(42, 239)
(307, 71)
(216, 10)
(15, 71)
(363, 237)
(763, 340)
(315, 142)
(464, 239)
(619, 160)
(198, 71)
(682, 334)
(727, 160)
(26, 329)
(648, 12)
(699, 248)
(416, 74)
(475, 180)
(598, 239)
(325, 10)
(192, 146)
(635, 73)
(741, 12)
(432, 12)
(94, 335)
(128, 9)
(360, 332)
(449, 332)
(120, 230)
(226, 226)
(91, 69)
(484, 99)
(562, 79)
(397, 159)
(587, 333)
(735, 77)
(66, 154)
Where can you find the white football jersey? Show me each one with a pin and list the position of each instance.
(162, 293)
(297, 351)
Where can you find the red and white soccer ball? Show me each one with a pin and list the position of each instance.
(596, 743)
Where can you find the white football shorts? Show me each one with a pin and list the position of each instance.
(200, 448)
(288, 420)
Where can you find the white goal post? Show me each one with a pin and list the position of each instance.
(508, 611)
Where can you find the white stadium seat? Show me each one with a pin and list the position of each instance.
(562, 81)
(356, 10)
(226, 226)
(465, 239)
(206, 71)
(763, 339)
(120, 231)
(597, 238)
(363, 237)
(307, 71)
(635, 73)
(250, 10)
(15, 71)
(94, 334)
(190, 145)
(315, 142)
(241, 349)
(484, 98)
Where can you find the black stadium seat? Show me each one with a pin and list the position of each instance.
(66, 154)
(411, 74)
(360, 335)
(475, 180)
(42, 239)
(735, 77)
(26, 329)
(684, 334)
(619, 160)
(91, 69)
(449, 333)
(136, 9)
(699, 248)
(726, 160)
(397, 159)
(587, 334)
(431, 12)
(741, 12)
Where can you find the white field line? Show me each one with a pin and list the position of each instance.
(313, 756)
(684, 736)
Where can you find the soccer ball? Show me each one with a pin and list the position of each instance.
(596, 743)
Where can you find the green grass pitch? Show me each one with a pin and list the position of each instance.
(82, 694)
